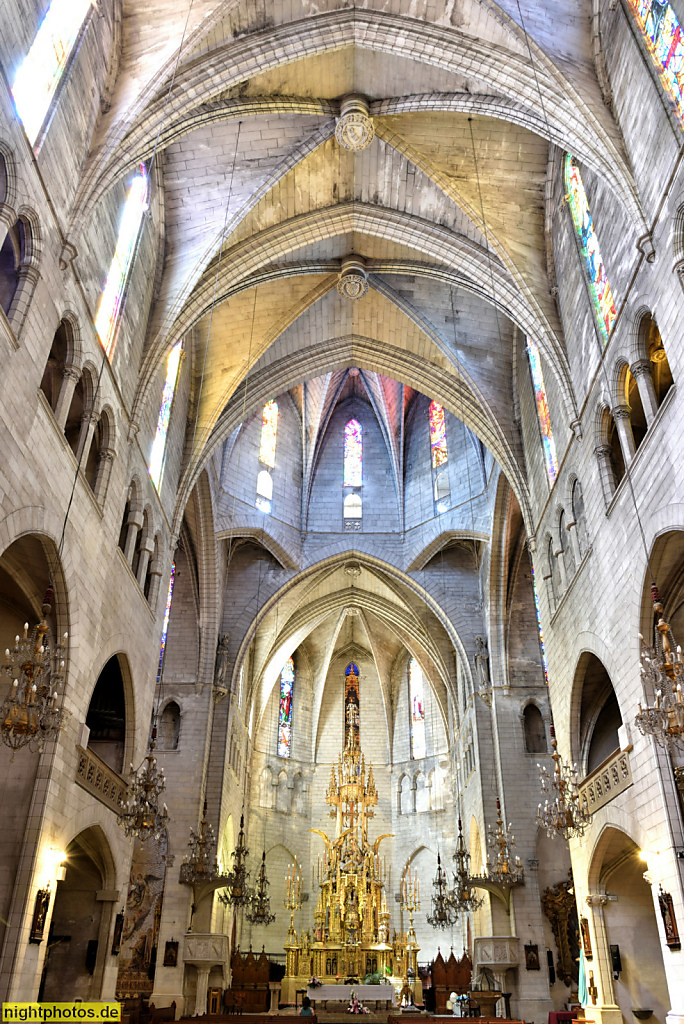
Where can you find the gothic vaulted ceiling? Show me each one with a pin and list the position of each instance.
(447, 206)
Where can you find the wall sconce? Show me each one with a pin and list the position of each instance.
(40, 913)
(61, 870)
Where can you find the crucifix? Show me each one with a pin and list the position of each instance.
(591, 989)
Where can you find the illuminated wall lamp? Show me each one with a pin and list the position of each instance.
(60, 871)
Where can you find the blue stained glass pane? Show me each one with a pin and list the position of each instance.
(417, 700)
(285, 708)
(167, 612)
(543, 410)
(584, 225)
(539, 626)
(159, 443)
(353, 454)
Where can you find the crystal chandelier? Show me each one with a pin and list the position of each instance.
(237, 893)
(662, 668)
(200, 865)
(567, 814)
(29, 715)
(506, 869)
(139, 814)
(463, 899)
(259, 911)
(443, 912)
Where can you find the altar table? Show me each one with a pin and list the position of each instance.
(365, 993)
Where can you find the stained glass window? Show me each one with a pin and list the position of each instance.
(438, 442)
(159, 443)
(417, 701)
(539, 626)
(285, 709)
(264, 491)
(663, 37)
(107, 318)
(269, 434)
(167, 612)
(41, 70)
(584, 225)
(353, 454)
(540, 398)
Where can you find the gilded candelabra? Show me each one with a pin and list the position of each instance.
(662, 668)
(567, 813)
(506, 869)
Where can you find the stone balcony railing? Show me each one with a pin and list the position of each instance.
(495, 951)
(205, 948)
(99, 779)
(607, 781)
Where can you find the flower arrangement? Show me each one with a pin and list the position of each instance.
(315, 982)
(355, 1006)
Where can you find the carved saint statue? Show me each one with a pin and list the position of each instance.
(481, 663)
(221, 665)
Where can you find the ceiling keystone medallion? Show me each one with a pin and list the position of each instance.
(353, 280)
(355, 130)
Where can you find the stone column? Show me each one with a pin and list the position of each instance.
(621, 415)
(203, 971)
(133, 524)
(156, 575)
(28, 279)
(70, 378)
(8, 217)
(573, 540)
(146, 549)
(105, 459)
(641, 371)
(605, 1010)
(603, 453)
(560, 559)
(88, 424)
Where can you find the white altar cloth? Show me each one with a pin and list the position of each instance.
(369, 993)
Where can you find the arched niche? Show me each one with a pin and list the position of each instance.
(629, 923)
(25, 570)
(170, 726)
(107, 717)
(666, 562)
(599, 716)
(534, 730)
(80, 930)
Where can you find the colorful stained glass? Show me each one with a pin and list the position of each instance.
(353, 454)
(287, 677)
(41, 70)
(269, 434)
(417, 701)
(663, 37)
(107, 319)
(438, 441)
(539, 626)
(352, 707)
(159, 443)
(584, 225)
(167, 612)
(548, 442)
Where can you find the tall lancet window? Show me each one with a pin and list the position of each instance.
(417, 709)
(267, 453)
(662, 34)
(353, 475)
(159, 443)
(439, 457)
(548, 443)
(165, 627)
(41, 71)
(287, 678)
(107, 319)
(599, 285)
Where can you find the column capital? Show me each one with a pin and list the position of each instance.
(106, 455)
(603, 451)
(621, 412)
(641, 368)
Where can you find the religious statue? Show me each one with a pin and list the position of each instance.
(481, 663)
(221, 664)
